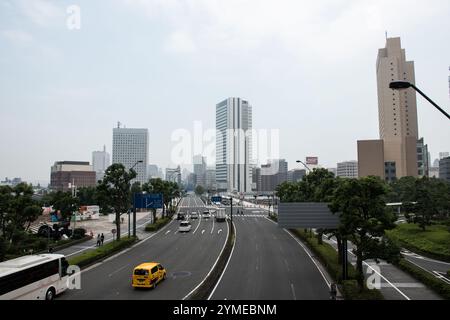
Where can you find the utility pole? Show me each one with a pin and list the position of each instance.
(231, 215)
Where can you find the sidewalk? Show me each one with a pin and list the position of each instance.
(395, 283)
(104, 226)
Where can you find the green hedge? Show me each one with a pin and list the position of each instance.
(90, 257)
(434, 242)
(351, 291)
(157, 225)
(437, 285)
(329, 258)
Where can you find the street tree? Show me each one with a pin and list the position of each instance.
(65, 204)
(17, 209)
(116, 189)
(364, 218)
(199, 190)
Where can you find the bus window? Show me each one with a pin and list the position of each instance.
(64, 266)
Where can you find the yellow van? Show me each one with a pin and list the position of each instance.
(148, 275)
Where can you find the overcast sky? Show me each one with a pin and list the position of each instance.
(307, 68)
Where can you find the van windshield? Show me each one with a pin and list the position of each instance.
(141, 272)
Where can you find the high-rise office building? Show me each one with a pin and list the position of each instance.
(347, 169)
(273, 174)
(174, 175)
(423, 163)
(443, 155)
(397, 109)
(234, 145)
(153, 171)
(129, 147)
(398, 126)
(211, 179)
(444, 169)
(200, 170)
(101, 160)
(296, 175)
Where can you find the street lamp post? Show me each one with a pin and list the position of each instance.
(134, 207)
(402, 85)
(299, 161)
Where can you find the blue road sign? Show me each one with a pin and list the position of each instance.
(216, 199)
(148, 201)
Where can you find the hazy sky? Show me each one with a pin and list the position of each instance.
(307, 67)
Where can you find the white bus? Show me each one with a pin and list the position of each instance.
(35, 277)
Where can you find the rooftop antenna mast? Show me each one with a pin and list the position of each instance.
(118, 124)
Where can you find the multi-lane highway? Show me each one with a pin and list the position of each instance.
(267, 263)
(187, 257)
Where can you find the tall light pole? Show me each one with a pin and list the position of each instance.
(134, 208)
(402, 85)
(299, 161)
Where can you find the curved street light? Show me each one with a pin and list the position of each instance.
(299, 161)
(402, 85)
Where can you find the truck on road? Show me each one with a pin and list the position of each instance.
(221, 215)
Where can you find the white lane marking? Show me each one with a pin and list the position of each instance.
(168, 231)
(215, 263)
(203, 231)
(312, 259)
(212, 230)
(287, 265)
(383, 277)
(118, 270)
(198, 225)
(228, 262)
(220, 230)
(293, 291)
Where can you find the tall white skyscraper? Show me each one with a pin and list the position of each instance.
(129, 147)
(234, 145)
(101, 160)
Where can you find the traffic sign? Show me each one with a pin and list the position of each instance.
(148, 201)
(216, 199)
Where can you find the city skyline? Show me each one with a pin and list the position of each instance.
(281, 72)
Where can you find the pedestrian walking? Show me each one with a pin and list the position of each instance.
(102, 238)
(98, 241)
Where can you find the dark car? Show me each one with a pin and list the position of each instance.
(181, 216)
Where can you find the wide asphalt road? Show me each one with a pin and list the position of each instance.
(268, 264)
(187, 258)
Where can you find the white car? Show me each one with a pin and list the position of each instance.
(194, 215)
(206, 215)
(185, 226)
